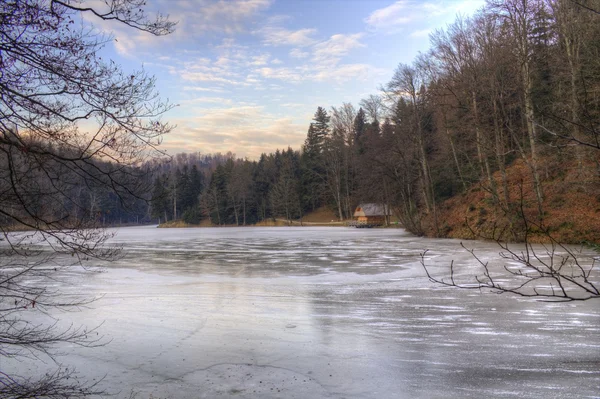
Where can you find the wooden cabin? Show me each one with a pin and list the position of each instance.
(371, 214)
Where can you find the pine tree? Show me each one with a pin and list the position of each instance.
(321, 124)
(360, 129)
(160, 202)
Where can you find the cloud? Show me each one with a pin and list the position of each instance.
(234, 116)
(324, 63)
(222, 61)
(207, 100)
(258, 60)
(194, 20)
(395, 17)
(320, 73)
(128, 45)
(205, 71)
(204, 89)
(297, 53)
(389, 17)
(248, 129)
(229, 17)
(337, 46)
(278, 36)
(232, 66)
(286, 74)
(292, 105)
(344, 73)
(205, 74)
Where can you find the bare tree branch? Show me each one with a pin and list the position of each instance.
(53, 165)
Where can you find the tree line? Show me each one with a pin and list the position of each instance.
(519, 82)
(516, 83)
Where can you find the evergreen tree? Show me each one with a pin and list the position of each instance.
(321, 124)
(265, 175)
(196, 185)
(360, 127)
(184, 201)
(160, 203)
(284, 193)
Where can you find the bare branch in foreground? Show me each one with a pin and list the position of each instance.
(554, 272)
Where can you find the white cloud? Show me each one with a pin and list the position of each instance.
(389, 17)
(258, 60)
(222, 61)
(217, 72)
(292, 105)
(207, 100)
(286, 74)
(278, 36)
(343, 73)
(128, 45)
(194, 19)
(395, 17)
(232, 67)
(233, 116)
(337, 46)
(247, 129)
(197, 76)
(227, 43)
(297, 53)
(231, 16)
(204, 89)
(320, 72)
(324, 65)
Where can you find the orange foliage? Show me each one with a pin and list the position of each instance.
(571, 207)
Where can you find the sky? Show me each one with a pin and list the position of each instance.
(246, 76)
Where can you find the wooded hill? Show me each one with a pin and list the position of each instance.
(493, 131)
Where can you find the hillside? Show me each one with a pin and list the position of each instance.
(571, 207)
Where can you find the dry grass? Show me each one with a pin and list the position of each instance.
(321, 215)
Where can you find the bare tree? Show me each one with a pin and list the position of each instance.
(334, 156)
(342, 120)
(551, 271)
(408, 83)
(53, 87)
(520, 16)
(284, 193)
(374, 107)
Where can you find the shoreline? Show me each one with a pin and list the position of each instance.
(270, 223)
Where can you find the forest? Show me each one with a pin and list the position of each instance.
(494, 130)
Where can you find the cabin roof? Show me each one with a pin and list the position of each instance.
(372, 210)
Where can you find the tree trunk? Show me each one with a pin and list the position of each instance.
(235, 211)
(481, 151)
(244, 210)
(531, 133)
(500, 150)
(174, 203)
(454, 155)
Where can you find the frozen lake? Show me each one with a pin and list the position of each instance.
(320, 313)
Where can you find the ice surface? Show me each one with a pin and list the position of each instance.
(319, 313)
